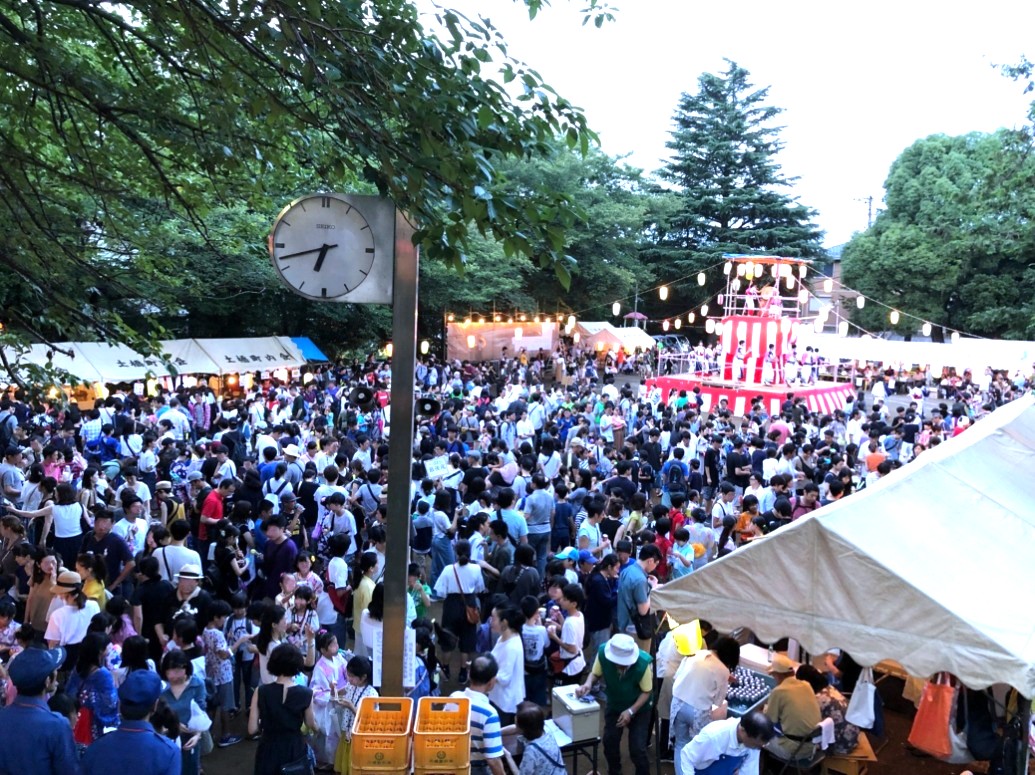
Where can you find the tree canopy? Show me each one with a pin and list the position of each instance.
(113, 114)
(956, 242)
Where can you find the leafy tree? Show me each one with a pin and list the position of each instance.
(956, 240)
(198, 105)
(731, 190)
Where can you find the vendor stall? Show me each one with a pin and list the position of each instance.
(892, 572)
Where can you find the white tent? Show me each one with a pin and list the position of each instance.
(967, 353)
(633, 337)
(603, 334)
(261, 353)
(932, 566)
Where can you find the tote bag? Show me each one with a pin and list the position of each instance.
(930, 732)
(860, 707)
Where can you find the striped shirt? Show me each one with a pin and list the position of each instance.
(486, 741)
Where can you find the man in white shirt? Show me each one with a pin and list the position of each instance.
(174, 556)
(728, 746)
(133, 528)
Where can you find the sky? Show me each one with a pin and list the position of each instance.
(858, 82)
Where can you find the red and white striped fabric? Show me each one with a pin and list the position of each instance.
(823, 397)
(757, 333)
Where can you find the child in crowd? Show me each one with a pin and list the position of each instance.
(219, 668)
(535, 641)
(242, 626)
(419, 592)
(8, 629)
(682, 557)
(359, 674)
(329, 680)
(302, 615)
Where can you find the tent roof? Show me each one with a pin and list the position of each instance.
(309, 349)
(633, 337)
(930, 566)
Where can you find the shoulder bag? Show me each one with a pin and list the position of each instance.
(473, 614)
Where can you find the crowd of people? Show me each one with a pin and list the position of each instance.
(171, 562)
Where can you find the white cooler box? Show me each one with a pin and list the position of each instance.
(579, 717)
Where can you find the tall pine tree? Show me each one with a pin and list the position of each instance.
(731, 188)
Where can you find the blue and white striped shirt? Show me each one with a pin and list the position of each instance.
(486, 740)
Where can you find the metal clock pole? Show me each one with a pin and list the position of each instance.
(400, 453)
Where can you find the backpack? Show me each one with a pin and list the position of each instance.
(8, 422)
(675, 479)
(420, 542)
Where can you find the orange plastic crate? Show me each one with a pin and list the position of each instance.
(442, 735)
(381, 734)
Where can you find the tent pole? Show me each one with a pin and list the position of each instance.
(1023, 750)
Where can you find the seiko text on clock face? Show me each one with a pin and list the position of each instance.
(323, 247)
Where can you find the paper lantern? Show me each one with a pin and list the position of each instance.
(893, 317)
(571, 321)
(425, 346)
(664, 325)
(663, 292)
(828, 285)
(709, 326)
(700, 278)
(740, 270)
(817, 325)
(842, 328)
(860, 301)
(704, 310)
(524, 317)
(802, 271)
(451, 317)
(790, 283)
(538, 318)
(955, 338)
(691, 318)
(616, 308)
(720, 299)
(497, 318)
(749, 269)
(576, 337)
(736, 286)
(775, 271)
(389, 349)
(471, 341)
(510, 319)
(678, 323)
(727, 268)
(560, 317)
(926, 329)
(803, 296)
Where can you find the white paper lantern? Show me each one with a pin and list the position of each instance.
(828, 285)
(802, 271)
(926, 329)
(691, 318)
(700, 278)
(709, 326)
(955, 338)
(860, 301)
(893, 317)
(678, 323)
(424, 347)
(664, 325)
(576, 337)
(616, 308)
(727, 268)
(471, 341)
(817, 325)
(571, 321)
(803, 296)
(663, 292)
(790, 283)
(842, 328)
(704, 310)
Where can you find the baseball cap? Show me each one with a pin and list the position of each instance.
(195, 476)
(141, 687)
(30, 671)
(587, 556)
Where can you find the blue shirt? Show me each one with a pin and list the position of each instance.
(49, 750)
(133, 747)
(486, 741)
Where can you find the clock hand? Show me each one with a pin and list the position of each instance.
(304, 252)
(322, 256)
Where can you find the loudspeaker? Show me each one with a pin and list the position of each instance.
(363, 397)
(428, 407)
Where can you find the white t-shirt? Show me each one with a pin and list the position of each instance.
(509, 690)
(470, 576)
(133, 532)
(573, 631)
(338, 573)
(68, 625)
(592, 533)
(172, 558)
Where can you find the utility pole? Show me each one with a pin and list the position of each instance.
(869, 210)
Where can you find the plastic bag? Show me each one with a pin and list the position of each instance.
(199, 720)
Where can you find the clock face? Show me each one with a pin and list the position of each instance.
(322, 246)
